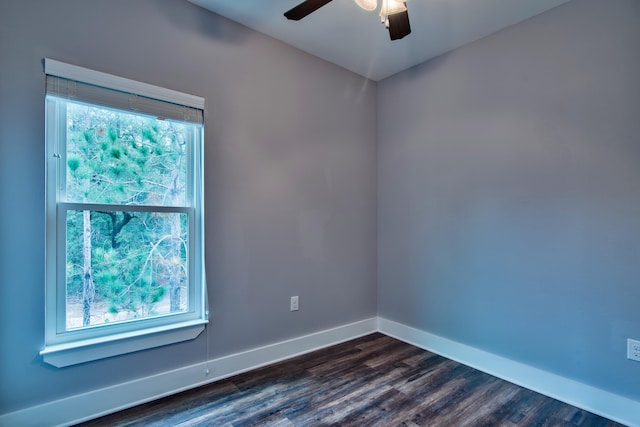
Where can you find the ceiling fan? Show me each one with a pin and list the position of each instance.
(393, 14)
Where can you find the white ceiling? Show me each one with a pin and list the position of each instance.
(353, 38)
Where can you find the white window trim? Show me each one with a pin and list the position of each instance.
(82, 351)
(61, 353)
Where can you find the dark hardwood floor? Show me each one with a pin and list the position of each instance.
(371, 381)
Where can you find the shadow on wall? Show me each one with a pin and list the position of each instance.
(205, 22)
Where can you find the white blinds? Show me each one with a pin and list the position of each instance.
(84, 85)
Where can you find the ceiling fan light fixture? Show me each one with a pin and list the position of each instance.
(393, 14)
(367, 4)
(390, 7)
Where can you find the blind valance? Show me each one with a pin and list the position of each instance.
(83, 85)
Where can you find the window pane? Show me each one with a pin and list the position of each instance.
(123, 266)
(116, 157)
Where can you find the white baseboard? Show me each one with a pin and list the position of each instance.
(597, 401)
(107, 400)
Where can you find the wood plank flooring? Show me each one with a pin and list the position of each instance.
(371, 381)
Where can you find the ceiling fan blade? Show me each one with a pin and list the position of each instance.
(305, 8)
(399, 25)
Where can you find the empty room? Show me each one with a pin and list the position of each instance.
(307, 213)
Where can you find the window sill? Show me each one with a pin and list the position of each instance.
(78, 352)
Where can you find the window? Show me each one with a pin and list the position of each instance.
(124, 251)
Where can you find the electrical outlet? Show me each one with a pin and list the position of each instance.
(294, 304)
(633, 349)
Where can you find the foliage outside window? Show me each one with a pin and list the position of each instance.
(124, 215)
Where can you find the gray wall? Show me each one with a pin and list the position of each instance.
(290, 180)
(508, 204)
(509, 193)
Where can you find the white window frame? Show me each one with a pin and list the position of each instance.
(68, 347)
